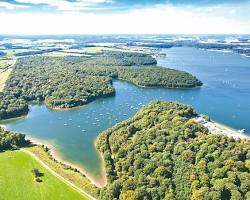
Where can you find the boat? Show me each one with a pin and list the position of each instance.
(242, 130)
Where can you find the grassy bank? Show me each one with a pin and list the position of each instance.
(69, 173)
(18, 182)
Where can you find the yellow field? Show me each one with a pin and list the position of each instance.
(3, 77)
(3, 63)
(61, 54)
(100, 49)
(89, 50)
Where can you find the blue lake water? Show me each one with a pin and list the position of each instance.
(225, 97)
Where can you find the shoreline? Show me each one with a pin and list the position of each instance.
(58, 109)
(13, 119)
(217, 128)
(232, 132)
(160, 87)
(52, 151)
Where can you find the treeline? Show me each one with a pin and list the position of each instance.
(35, 52)
(66, 82)
(129, 58)
(10, 140)
(11, 106)
(79, 90)
(161, 153)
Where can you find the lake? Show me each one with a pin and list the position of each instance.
(225, 97)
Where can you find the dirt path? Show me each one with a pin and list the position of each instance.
(58, 175)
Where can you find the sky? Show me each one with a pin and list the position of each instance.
(38, 17)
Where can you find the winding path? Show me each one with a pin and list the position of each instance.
(59, 176)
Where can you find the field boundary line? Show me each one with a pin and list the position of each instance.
(58, 175)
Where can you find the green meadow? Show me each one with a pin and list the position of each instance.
(17, 182)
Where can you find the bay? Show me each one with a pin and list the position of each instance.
(225, 97)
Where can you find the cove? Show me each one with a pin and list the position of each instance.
(225, 97)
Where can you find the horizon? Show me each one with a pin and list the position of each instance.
(132, 34)
(124, 17)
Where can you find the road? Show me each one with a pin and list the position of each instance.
(58, 175)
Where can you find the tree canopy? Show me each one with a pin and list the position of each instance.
(9, 140)
(162, 153)
(66, 82)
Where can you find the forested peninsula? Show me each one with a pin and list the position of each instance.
(162, 153)
(66, 82)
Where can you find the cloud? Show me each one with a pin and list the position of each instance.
(9, 6)
(63, 5)
(162, 19)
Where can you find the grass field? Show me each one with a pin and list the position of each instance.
(17, 181)
(11, 52)
(68, 173)
(6, 63)
(3, 63)
(3, 77)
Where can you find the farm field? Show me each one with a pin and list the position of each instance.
(20, 164)
(3, 77)
(11, 52)
(3, 63)
(61, 54)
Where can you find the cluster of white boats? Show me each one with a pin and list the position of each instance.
(108, 115)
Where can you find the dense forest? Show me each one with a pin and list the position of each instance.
(161, 153)
(66, 82)
(158, 76)
(9, 140)
(128, 58)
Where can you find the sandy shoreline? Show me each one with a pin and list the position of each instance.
(232, 132)
(218, 128)
(213, 126)
(13, 119)
(98, 182)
